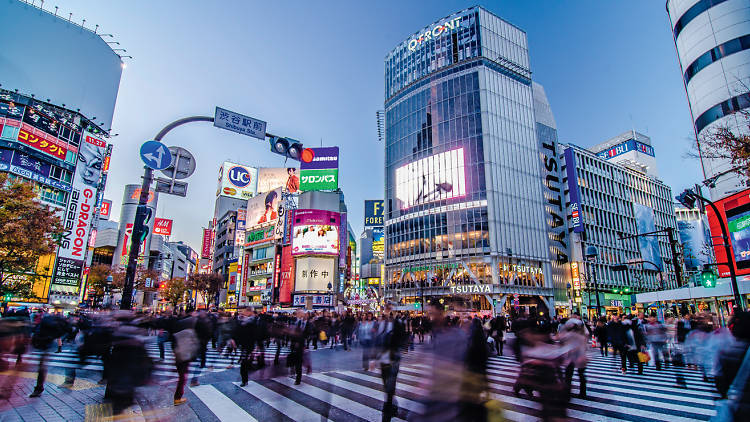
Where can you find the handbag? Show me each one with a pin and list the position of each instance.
(322, 336)
(643, 357)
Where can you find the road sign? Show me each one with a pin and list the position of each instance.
(182, 165)
(244, 125)
(171, 186)
(156, 155)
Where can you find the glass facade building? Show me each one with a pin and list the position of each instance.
(465, 208)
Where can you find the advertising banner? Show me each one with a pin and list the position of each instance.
(378, 243)
(286, 178)
(67, 272)
(374, 213)
(312, 180)
(287, 275)
(130, 198)
(163, 226)
(648, 245)
(695, 240)
(315, 232)
(288, 222)
(43, 142)
(105, 210)
(438, 177)
(6, 155)
(82, 202)
(263, 208)
(237, 181)
(342, 241)
(576, 219)
(314, 274)
(322, 158)
(239, 227)
(206, 244)
(232, 271)
(31, 168)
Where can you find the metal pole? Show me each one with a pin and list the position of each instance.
(596, 290)
(675, 261)
(727, 250)
(135, 244)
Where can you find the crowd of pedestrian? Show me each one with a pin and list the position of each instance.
(455, 350)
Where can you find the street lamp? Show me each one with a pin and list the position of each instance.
(591, 254)
(688, 198)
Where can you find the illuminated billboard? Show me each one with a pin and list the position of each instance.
(263, 208)
(163, 226)
(437, 177)
(237, 181)
(735, 210)
(374, 212)
(378, 243)
(315, 232)
(286, 178)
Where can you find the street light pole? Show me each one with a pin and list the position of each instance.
(140, 215)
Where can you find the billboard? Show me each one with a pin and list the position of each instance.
(378, 243)
(312, 180)
(342, 240)
(163, 226)
(695, 240)
(735, 210)
(287, 275)
(576, 219)
(259, 235)
(286, 178)
(437, 177)
(648, 245)
(206, 244)
(315, 232)
(313, 274)
(27, 166)
(60, 60)
(263, 208)
(237, 181)
(130, 200)
(321, 158)
(105, 210)
(239, 227)
(80, 211)
(374, 212)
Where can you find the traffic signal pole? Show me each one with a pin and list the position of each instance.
(140, 215)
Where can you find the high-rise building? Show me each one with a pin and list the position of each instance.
(465, 211)
(55, 115)
(712, 38)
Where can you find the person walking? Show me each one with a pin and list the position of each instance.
(497, 330)
(390, 338)
(631, 346)
(365, 333)
(656, 335)
(48, 330)
(616, 337)
(574, 339)
(600, 332)
(185, 345)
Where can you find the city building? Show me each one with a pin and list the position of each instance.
(55, 116)
(712, 38)
(608, 205)
(465, 213)
(629, 149)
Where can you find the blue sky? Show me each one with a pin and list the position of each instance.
(314, 72)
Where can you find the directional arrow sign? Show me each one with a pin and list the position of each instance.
(156, 155)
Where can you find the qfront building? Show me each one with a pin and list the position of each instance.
(712, 38)
(465, 216)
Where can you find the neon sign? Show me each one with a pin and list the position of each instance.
(435, 32)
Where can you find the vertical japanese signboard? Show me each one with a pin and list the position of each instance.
(576, 218)
(80, 211)
(206, 244)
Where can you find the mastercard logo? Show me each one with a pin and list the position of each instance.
(230, 191)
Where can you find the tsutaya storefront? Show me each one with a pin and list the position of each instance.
(468, 285)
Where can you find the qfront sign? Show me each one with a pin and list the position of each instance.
(434, 32)
(471, 289)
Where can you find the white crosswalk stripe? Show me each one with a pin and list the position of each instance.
(358, 395)
(68, 359)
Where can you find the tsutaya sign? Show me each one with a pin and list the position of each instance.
(471, 288)
(434, 32)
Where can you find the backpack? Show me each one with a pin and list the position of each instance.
(186, 345)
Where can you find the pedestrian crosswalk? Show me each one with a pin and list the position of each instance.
(358, 395)
(68, 358)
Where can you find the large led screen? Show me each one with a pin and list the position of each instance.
(315, 232)
(437, 177)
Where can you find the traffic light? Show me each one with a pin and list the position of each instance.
(416, 305)
(708, 278)
(687, 198)
(287, 147)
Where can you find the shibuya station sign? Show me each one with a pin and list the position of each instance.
(471, 289)
(434, 32)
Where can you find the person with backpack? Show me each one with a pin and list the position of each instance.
(185, 344)
(48, 329)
